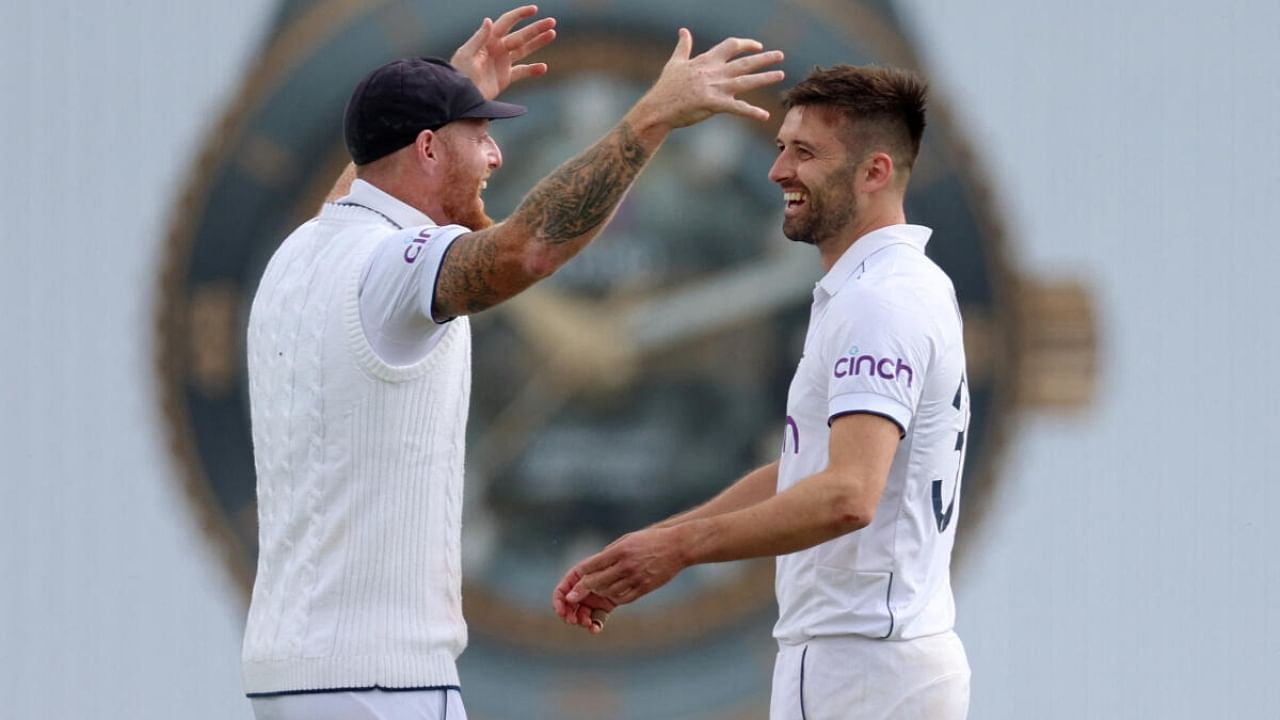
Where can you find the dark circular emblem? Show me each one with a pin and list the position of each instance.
(639, 380)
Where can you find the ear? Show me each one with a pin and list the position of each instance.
(876, 172)
(426, 146)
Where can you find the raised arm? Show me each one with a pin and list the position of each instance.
(569, 207)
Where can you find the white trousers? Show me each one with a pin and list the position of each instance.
(443, 704)
(856, 678)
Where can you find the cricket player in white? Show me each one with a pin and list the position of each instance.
(861, 507)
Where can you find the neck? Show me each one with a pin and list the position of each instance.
(831, 251)
(401, 187)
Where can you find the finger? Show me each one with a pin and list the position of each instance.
(562, 607)
(684, 45)
(621, 591)
(579, 591)
(747, 110)
(592, 582)
(476, 41)
(747, 83)
(524, 72)
(754, 63)
(570, 579)
(562, 589)
(571, 614)
(532, 46)
(511, 17)
(595, 563)
(598, 618)
(530, 37)
(605, 578)
(730, 47)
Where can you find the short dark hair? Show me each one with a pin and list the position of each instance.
(884, 106)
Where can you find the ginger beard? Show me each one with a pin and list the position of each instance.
(460, 192)
(461, 200)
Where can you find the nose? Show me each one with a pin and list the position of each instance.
(495, 155)
(781, 169)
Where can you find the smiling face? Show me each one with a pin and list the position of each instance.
(816, 175)
(468, 155)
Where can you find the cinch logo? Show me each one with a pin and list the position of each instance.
(795, 436)
(855, 364)
(414, 246)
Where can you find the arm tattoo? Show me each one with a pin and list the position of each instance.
(465, 283)
(569, 204)
(582, 193)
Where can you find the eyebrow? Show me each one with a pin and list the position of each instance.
(802, 144)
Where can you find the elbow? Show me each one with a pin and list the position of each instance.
(851, 513)
(540, 262)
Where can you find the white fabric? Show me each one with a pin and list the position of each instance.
(443, 704)
(360, 469)
(399, 284)
(856, 678)
(885, 338)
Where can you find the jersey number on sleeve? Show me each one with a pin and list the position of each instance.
(943, 517)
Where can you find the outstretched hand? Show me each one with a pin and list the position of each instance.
(488, 57)
(631, 567)
(590, 612)
(691, 88)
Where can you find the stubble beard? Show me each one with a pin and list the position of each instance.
(826, 214)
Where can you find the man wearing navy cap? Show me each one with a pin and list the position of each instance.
(359, 362)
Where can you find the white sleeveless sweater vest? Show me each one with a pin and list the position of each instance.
(360, 469)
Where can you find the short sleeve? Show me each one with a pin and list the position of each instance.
(399, 288)
(876, 348)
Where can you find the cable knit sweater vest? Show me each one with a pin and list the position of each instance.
(360, 468)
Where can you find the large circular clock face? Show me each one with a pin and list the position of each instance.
(639, 380)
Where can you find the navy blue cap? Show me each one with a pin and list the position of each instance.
(395, 102)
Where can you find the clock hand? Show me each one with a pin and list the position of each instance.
(598, 346)
(582, 341)
(508, 434)
(722, 300)
(582, 348)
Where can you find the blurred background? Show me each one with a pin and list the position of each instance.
(1101, 179)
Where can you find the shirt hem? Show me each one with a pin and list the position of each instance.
(361, 672)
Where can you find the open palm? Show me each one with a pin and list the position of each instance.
(490, 55)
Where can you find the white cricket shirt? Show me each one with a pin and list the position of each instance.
(885, 338)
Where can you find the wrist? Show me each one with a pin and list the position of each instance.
(648, 123)
(689, 539)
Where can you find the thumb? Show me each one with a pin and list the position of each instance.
(476, 41)
(684, 45)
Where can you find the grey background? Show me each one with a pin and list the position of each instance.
(1128, 570)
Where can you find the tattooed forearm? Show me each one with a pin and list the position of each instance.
(558, 217)
(467, 276)
(581, 194)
